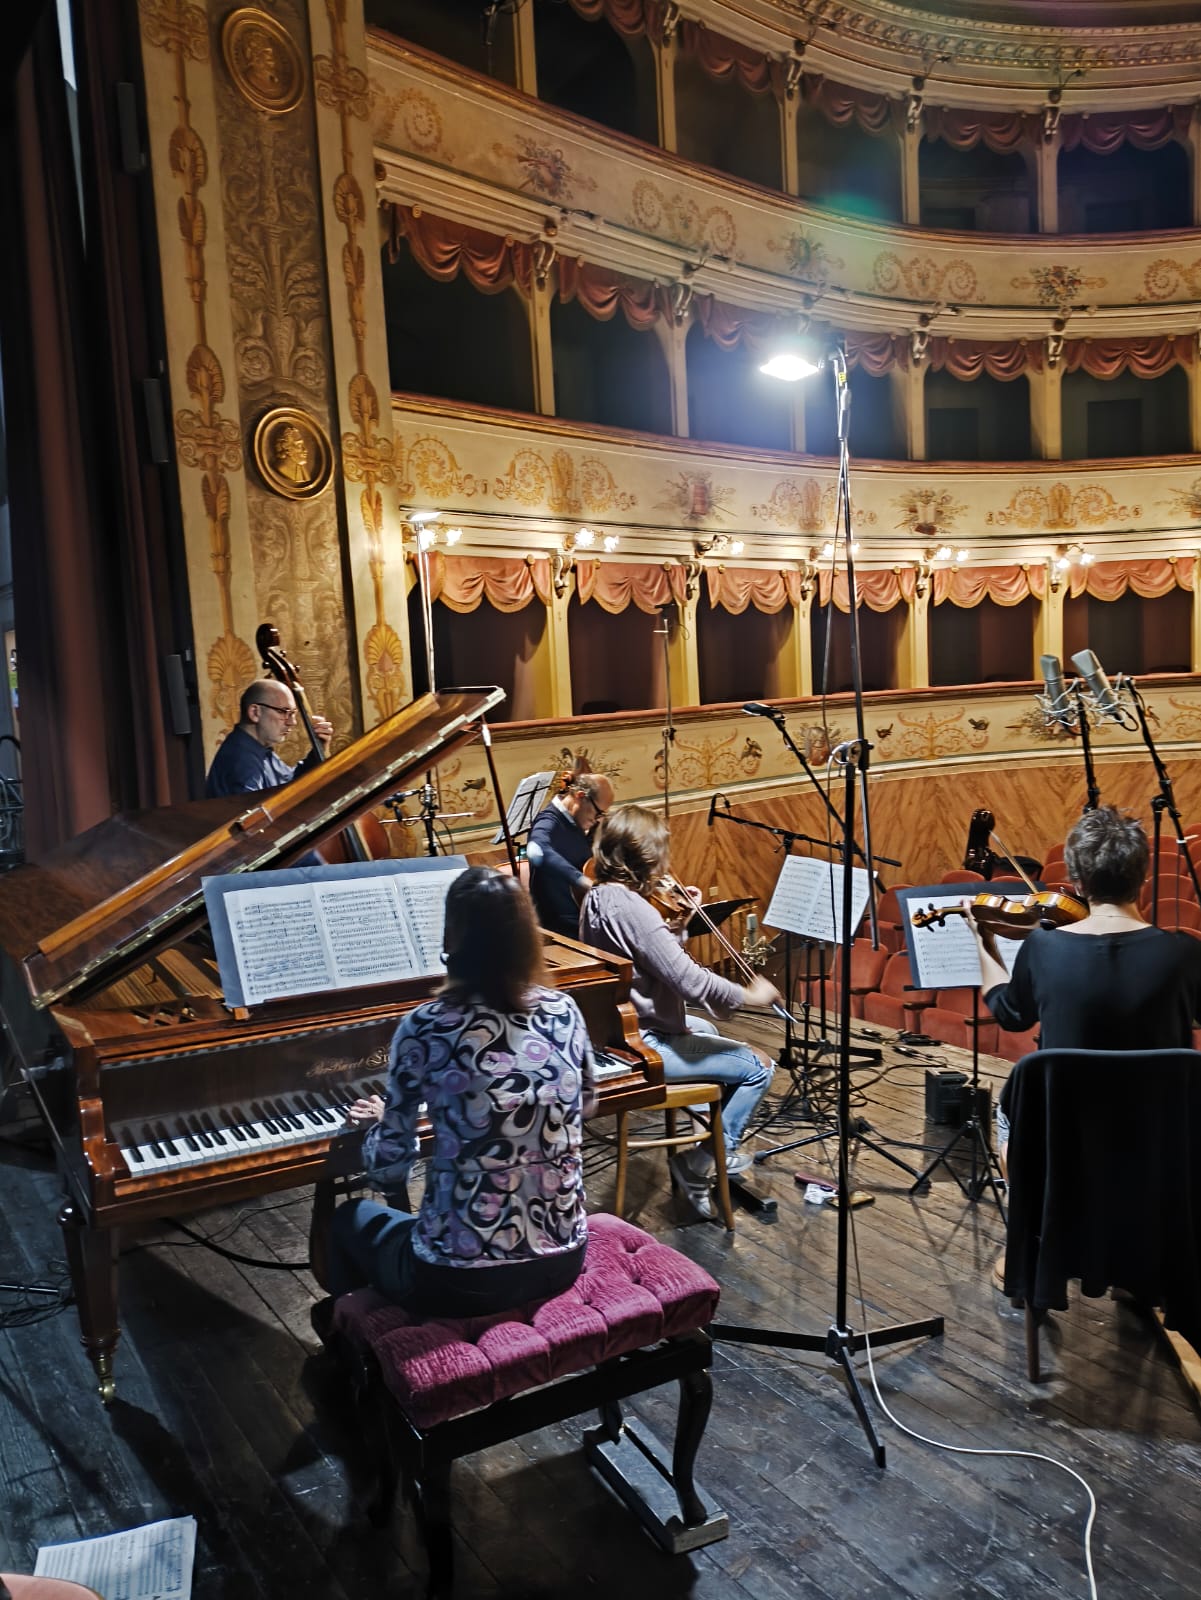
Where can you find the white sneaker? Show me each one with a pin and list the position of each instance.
(739, 1160)
(696, 1188)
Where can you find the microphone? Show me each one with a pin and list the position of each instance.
(1054, 701)
(756, 708)
(1102, 691)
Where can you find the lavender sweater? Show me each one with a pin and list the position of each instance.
(617, 919)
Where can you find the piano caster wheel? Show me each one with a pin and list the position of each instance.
(106, 1386)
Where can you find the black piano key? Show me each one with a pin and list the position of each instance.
(151, 1138)
(199, 1134)
(240, 1125)
(214, 1132)
(182, 1135)
(131, 1149)
(170, 1148)
(284, 1116)
(260, 1115)
(322, 1113)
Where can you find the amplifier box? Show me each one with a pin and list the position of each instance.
(949, 1096)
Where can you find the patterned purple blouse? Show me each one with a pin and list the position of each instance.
(505, 1094)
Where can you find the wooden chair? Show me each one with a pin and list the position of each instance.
(1104, 1160)
(679, 1097)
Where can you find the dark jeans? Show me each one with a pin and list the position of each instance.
(373, 1244)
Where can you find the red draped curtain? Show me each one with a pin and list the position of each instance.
(444, 249)
(966, 359)
(1148, 128)
(1146, 358)
(508, 583)
(968, 586)
(880, 589)
(1002, 131)
(1108, 580)
(840, 104)
(631, 17)
(602, 292)
(614, 585)
(768, 589)
(727, 60)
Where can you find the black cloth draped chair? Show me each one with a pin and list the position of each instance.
(1105, 1182)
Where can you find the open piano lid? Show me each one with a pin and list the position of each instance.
(132, 885)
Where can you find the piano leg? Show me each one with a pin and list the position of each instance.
(92, 1259)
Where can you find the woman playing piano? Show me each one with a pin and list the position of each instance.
(630, 857)
(504, 1067)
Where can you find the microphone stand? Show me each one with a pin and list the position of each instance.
(1165, 800)
(663, 632)
(840, 1342)
(1090, 771)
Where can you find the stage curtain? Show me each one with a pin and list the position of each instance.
(726, 59)
(966, 359)
(968, 586)
(728, 326)
(444, 249)
(1151, 579)
(601, 291)
(1147, 128)
(1146, 358)
(877, 353)
(880, 588)
(767, 589)
(616, 584)
(1002, 131)
(508, 583)
(839, 103)
(631, 17)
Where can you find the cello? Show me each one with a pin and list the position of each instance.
(364, 840)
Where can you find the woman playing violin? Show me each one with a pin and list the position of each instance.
(623, 913)
(1108, 981)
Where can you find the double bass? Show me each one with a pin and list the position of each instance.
(364, 840)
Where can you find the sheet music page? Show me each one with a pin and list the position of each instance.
(525, 804)
(946, 957)
(153, 1562)
(807, 899)
(329, 928)
(367, 932)
(423, 901)
(279, 942)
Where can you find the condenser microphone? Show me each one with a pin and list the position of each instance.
(756, 708)
(1054, 700)
(1102, 691)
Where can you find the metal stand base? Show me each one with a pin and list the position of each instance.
(840, 1344)
(982, 1178)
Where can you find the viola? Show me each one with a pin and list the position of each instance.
(672, 901)
(1010, 916)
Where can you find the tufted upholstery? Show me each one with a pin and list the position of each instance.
(632, 1292)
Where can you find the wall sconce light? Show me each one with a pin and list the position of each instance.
(717, 544)
(610, 542)
(923, 571)
(737, 546)
(1065, 558)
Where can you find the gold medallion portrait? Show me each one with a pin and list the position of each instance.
(292, 453)
(263, 61)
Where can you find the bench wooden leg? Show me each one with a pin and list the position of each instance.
(433, 1513)
(696, 1398)
(717, 1141)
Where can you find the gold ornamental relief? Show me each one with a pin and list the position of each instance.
(293, 453)
(263, 61)
(1061, 509)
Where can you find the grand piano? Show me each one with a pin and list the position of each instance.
(159, 1097)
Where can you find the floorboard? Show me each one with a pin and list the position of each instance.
(226, 1410)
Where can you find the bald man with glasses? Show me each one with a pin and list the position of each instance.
(247, 760)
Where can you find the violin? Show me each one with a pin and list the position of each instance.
(672, 901)
(1010, 917)
(364, 840)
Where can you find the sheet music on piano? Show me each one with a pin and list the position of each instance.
(307, 930)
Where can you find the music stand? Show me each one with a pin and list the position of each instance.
(527, 802)
(944, 956)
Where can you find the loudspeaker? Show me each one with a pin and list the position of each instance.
(949, 1099)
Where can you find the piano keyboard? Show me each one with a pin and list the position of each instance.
(193, 1139)
(607, 1066)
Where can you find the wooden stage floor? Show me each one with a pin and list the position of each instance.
(224, 1412)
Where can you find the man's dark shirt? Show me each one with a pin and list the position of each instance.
(1109, 991)
(555, 875)
(243, 765)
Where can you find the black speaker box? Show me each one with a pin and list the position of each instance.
(949, 1099)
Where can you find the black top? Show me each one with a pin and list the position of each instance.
(558, 848)
(1109, 991)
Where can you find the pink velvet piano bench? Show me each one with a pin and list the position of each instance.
(430, 1392)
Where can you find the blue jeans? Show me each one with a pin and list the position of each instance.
(702, 1056)
(373, 1244)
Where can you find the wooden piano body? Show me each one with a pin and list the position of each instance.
(160, 1100)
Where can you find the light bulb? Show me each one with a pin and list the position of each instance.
(611, 542)
(737, 547)
(453, 535)
(585, 536)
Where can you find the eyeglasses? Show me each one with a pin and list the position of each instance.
(288, 713)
